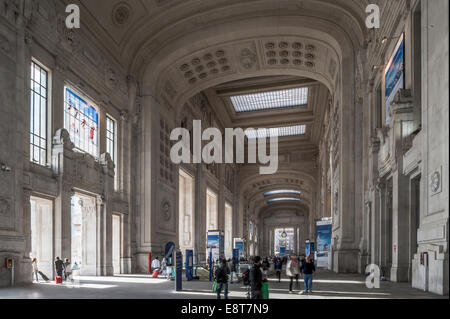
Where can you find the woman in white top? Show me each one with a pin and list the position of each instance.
(292, 271)
(35, 269)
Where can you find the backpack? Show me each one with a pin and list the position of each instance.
(221, 275)
(246, 277)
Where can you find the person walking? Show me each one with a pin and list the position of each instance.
(256, 278)
(221, 276)
(292, 271)
(35, 269)
(233, 269)
(308, 270)
(59, 267)
(156, 264)
(68, 270)
(266, 267)
(278, 268)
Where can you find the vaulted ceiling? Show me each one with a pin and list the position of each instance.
(222, 48)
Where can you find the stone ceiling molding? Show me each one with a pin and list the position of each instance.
(241, 59)
(122, 13)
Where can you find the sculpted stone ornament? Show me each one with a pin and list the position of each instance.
(435, 182)
(5, 207)
(166, 211)
(247, 58)
(62, 137)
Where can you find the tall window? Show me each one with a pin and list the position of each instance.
(111, 138)
(81, 120)
(186, 210)
(211, 210)
(111, 143)
(39, 114)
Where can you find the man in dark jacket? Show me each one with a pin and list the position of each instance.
(256, 278)
(59, 266)
(221, 276)
(278, 268)
(308, 269)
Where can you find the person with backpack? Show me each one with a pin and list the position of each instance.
(292, 271)
(221, 276)
(256, 279)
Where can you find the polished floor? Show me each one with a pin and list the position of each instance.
(327, 285)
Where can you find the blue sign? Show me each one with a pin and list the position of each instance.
(236, 255)
(239, 244)
(168, 251)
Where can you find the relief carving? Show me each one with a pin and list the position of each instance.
(5, 207)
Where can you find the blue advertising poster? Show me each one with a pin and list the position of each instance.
(282, 251)
(394, 76)
(239, 244)
(323, 233)
(214, 244)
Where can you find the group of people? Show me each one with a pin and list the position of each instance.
(63, 269)
(159, 266)
(295, 268)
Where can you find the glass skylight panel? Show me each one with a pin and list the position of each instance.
(276, 132)
(283, 199)
(270, 100)
(283, 191)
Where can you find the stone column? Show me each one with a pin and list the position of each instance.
(400, 228)
(378, 200)
(200, 214)
(63, 232)
(61, 151)
(386, 230)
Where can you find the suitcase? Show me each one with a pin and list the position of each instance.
(58, 279)
(155, 274)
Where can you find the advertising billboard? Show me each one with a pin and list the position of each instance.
(395, 75)
(323, 240)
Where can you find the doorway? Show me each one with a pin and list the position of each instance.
(284, 243)
(116, 243)
(85, 243)
(42, 234)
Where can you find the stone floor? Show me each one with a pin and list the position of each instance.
(327, 285)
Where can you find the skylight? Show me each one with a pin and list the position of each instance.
(283, 191)
(276, 132)
(270, 100)
(283, 199)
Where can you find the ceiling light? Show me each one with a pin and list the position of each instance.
(283, 191)
(270, 100)
(283, 199)
(276, 132)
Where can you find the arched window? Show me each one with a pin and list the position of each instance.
(81, 121)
